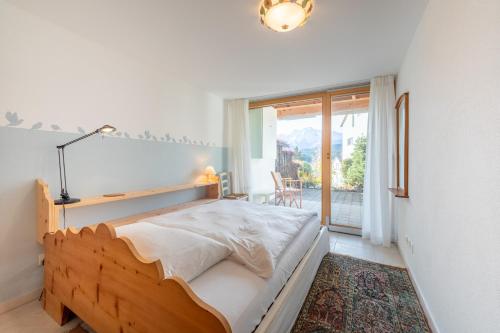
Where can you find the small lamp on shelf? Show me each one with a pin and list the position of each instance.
(210, 174)
(65, 198)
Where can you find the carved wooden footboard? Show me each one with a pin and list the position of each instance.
(103, 279)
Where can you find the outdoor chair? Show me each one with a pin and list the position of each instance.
(287, 188)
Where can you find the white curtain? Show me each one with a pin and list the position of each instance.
(380, 161)
(238, 136)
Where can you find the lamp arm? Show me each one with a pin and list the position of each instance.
(78, 139)
(63, 189)
(65, 198)
(62, 164)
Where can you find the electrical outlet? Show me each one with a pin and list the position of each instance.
(410, 244)
(41, 258)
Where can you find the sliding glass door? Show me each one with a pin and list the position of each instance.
(316, 144)
(348, 137)
(298, 152)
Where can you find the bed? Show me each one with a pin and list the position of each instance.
(98, 274)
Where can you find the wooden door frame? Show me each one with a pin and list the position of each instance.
(365, 88)
(326, 165)
(326, 107)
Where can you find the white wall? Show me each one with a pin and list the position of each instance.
(53, 82)
(54, 76)
(262, 181)
(452, 71)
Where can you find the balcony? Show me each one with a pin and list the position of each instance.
(347, 206)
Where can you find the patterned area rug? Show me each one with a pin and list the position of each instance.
(351, 295)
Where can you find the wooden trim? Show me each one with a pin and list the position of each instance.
(326, 164)
(99, 200)
(398, 192)
(48, 213)
(398, 103)
(103, 279)
(365, 88)
(350, 105)
(326, 159)
(402, 189)
(282, 100)
(362, 89)
(299, 103)
(300, 111)
(407, 141)
(47, 216)
(400, 99)
(308, 110)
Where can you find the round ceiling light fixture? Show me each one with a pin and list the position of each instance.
(285, 15)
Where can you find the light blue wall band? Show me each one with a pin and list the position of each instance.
(95, 166)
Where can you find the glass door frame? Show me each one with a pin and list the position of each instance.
(326, 163)
(326, 135)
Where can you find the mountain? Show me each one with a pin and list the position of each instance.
(304, 138)
(308, 138)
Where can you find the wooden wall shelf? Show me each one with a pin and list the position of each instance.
(48, 213)
(99, 200)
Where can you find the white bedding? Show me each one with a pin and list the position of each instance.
(243, 297)
(182, 253)
(257, 234)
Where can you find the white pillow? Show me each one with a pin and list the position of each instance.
(182, 253)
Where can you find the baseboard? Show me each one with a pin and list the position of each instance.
(13, 303)
(420, 295)
(345, 230)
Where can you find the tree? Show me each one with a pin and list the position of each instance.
(346, 165)
(355, 173)
(306, 174)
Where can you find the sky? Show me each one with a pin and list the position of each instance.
(287, 126)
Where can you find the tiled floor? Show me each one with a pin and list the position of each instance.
(31, 318)
(346, 206)
(357, 247)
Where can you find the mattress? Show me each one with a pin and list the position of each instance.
(242, 296)
(286, 307)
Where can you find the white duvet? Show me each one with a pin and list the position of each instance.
(182, 253)
(257, 234)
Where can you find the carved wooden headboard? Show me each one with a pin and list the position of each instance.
(104, 280)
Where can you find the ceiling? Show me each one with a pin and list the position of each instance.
(221, 46)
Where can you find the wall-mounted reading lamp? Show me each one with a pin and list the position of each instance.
(65, 197)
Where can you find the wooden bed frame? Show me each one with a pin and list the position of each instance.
(102, 278)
